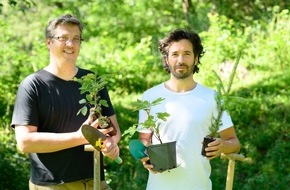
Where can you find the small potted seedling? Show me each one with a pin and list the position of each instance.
(223, 104)
(215, 123)
(92, 84)
(163, 155)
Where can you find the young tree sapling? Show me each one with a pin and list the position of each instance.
(92, 84)
(223, 103)
(152, 121)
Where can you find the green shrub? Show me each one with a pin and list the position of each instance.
(14, 166)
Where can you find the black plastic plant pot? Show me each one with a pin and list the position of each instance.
(162, 156)
(206, 141)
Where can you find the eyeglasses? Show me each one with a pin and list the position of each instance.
(65, 39)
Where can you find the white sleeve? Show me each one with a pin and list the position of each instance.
(226, 121)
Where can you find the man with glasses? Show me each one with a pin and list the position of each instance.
(45, 115)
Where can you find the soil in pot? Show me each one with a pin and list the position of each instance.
(206, 141)
(163, 156)
(109, 123)
(104, 122)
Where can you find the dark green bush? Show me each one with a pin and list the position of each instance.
(14, 166)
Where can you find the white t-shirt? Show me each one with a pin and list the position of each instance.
(189, 121)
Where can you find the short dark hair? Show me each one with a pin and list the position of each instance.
(175, 36)
(67, 19)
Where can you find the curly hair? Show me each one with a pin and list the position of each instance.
(67, 19)
(175, 36)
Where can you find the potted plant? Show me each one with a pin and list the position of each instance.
(223, 104)
(163, 155)
(215, 123)
(92, 84)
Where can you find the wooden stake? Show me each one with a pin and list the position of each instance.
(231, 167)
(97, 170)
(230, 175)
(97, 166)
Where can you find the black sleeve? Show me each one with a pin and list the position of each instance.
(25, 107)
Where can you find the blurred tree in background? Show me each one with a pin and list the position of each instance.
(121, 40)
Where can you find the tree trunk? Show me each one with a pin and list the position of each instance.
(186, 6)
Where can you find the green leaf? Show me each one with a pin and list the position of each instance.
(89, 97)
(157, 101)
(84, 110)
(83, 101)
(130, 131)
(163, 116)
(141, 105)
(104, 103)
(79, 112)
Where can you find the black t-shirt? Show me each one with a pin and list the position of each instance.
(51, 103)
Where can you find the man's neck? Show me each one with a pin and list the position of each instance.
(180, 85)
(64, 71)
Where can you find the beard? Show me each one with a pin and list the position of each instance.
(181, 71)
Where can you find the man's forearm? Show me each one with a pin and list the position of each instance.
(231, 146)
(44, 142)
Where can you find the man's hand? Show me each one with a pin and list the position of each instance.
(110, 148)
(94, 124)
(146, 164)
(214, 149)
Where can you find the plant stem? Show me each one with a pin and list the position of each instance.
(158, 137)
(234, 72)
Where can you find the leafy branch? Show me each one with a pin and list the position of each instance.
(92, 84)
(152, 123)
